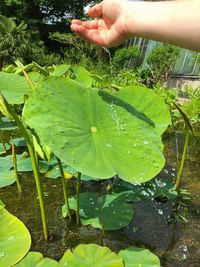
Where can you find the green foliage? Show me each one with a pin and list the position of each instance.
(35, 259)
(192, 106)
(16, 42)
(91, 255)
(92, 125)
(108, 212)
(121, 55)
(161, 60)
(77, 51)
(15, 238)
(139, 257)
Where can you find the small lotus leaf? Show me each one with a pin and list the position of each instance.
(139, 257)
(15, 239)
(95, 132)
(82, 75)
(13, 87)
(35, 259)
(7, 178)
(19, 142)
(109, 212)
(5, 163)
(91, 255)
(2, 148)
(55, 173)
(60, 70)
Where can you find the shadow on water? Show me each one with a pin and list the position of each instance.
(176, 242)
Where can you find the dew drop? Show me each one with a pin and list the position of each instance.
(160, 212)
(184, 257)
(11, 238)
(2, 254)
(146, 142)
(109, 145)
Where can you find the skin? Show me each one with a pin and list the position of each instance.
(114, 21)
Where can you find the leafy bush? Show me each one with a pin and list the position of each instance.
(161, 60)
(123, 54)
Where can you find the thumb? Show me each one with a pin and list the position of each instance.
(96, 11)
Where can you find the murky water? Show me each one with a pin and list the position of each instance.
(155, 225)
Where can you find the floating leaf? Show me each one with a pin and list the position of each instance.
(7, 178)
(19, 142)
(2, 148)
(13, 87)
(5, 163)
(7, 125)
(15, 239)
(96, 133)
(139, 257)
(109, 212)
(91, 255)
(157, 187)
(35, 259)
(55, 173)
(24, 163)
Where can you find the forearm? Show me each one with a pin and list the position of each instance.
(175, 22)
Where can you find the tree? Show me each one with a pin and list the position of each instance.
(16, 42)
(45, 15)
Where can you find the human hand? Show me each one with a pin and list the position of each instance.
(111, 26)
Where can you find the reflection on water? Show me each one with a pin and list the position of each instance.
(176, 242)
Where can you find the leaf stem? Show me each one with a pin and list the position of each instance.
(64, 186)
(78, 185)
(34, 164)
(14, 159)
(179, 176)
(4, 146)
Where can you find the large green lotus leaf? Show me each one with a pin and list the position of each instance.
(91, 255)
(94, 132)
(13, 87)
(110, 212)
(139, 257)
(35, 259)
(146, 101)
(7, 178)
(15, 239)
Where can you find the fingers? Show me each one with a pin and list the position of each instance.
(93, 24)
(91, 36)
(96, 11)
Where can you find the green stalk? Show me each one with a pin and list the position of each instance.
(4, 146)
(179, 176)
(34, 164)
(78, 185)
(64, 186)
(14, 159)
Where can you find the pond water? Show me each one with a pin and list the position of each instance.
(176, 241)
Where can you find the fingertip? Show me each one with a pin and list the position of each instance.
(95, 11)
